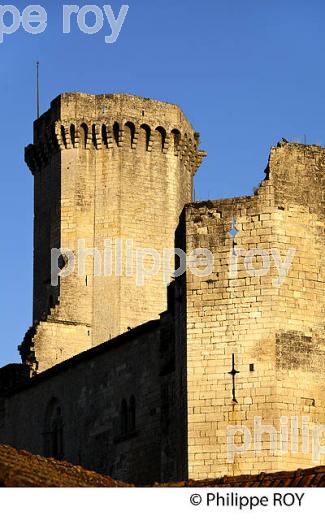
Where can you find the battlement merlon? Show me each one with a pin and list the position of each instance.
(296, 173)
(106, 118)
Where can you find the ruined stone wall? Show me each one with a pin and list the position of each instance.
(276, 332)
(109, 167)
(89, 391)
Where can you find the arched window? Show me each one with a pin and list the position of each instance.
(144, 137)
(127, 417)
(63, 136)
(116, 133)
(53, 432)
(161, 135)
(93, 136)
(131, 425)
(129, 134)
(124, 418)
(73, 134)
(83, 135)
(104, 136)
(177, 139)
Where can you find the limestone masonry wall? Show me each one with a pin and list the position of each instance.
(276, 332)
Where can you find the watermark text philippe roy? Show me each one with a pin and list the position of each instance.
(121, 258)
(89, 19)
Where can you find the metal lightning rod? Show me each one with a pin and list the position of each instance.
(37, 89)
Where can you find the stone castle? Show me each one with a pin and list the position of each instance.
(145, 382)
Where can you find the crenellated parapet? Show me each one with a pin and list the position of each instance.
(108, 131)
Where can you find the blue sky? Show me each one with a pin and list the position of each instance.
(246, 73)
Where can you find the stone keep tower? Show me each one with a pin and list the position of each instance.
(112, 168)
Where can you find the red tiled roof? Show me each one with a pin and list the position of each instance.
(22, 469)
(311, 477)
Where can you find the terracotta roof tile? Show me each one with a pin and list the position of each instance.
(22, 469)
(310, 477)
